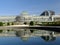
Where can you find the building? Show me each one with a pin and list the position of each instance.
(56, 18)
(48, 13)
(7, 18)
(46, 16)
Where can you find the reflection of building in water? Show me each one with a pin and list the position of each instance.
(48, 38)
(23, 32)
(7, 32)
(24, 38)
(26, 34)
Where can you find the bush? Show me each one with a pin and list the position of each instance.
(31, 23)
(25, 23)
(8, 23)
(12, 23)
(50, 24)
(1, 24)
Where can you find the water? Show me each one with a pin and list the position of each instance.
(30, 41)
(30, 37)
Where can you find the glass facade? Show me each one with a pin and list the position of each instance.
(46, 16)
(47, 13)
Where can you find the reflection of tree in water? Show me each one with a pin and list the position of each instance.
(31, 31)
(1, 31)
(48, 38)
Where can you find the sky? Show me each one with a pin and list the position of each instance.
(16, 7)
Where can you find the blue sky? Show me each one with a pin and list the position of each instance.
(15, 7)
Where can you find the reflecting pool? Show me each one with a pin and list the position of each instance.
(29, 37)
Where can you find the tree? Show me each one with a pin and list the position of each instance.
(8, 23)
(31, 23)
(25, 23)
(1, 24)
(12, 23)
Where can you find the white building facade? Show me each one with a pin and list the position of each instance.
(7, 18)
(46, 16)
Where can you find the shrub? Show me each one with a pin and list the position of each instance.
(1, 24)
(25, 23)
(51, 23)
(12, 23)
(31, 23)
(8, 23)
